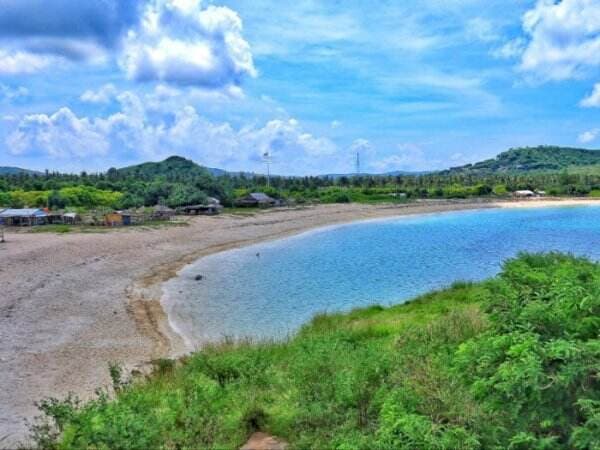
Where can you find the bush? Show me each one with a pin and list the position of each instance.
(508, 363)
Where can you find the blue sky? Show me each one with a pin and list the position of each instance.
(411, 85)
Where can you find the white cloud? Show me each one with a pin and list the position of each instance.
(19, 62)
(9, 94)
(481, 29)
(361, 146)
(103, 95)
(60, 135)
(588, 136)
(564, 39)
(171, 41)
(511, 49)
(410, 157)
(181, 42)
(35, 34)
(592, 100)
(134, 132)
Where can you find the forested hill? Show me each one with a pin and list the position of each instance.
(174, 168)
(16, 171)
(543, 158)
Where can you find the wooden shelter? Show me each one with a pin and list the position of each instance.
(23, 217)
(71, 218)
(117, 219)
(211, 207)
(256, 199)
(162, 212)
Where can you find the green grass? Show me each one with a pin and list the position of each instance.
(508, 363)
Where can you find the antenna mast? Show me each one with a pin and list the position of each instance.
(267, 160)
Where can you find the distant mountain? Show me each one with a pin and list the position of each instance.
(527, 159)
(172, 168)
(17, 171)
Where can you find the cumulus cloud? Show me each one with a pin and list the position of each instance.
(60, 135)
(564, 39)
(33, 32)
(172, 41)
(588, 136)
(19, 62)
(134, 132)
(409, 157)
(511, 49)
(184, 43)
(103, 95)
(592, 100)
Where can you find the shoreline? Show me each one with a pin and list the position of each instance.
(76, 301)
(180, 346)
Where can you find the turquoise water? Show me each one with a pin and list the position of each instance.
(339, 268)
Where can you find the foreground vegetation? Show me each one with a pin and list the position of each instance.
(177, 182)
(512, 363)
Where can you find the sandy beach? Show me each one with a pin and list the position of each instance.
(71, 303)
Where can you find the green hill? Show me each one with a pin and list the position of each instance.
(542, 158)
(511, 363)
(17, 171)
(174, 168)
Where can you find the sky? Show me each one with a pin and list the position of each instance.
(409, 85)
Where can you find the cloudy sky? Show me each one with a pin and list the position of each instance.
(411, 85)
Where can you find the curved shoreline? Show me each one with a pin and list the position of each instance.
(178, 345)
(74, 302)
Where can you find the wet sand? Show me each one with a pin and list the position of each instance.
(71, 303)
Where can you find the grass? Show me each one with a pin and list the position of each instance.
(507, 363)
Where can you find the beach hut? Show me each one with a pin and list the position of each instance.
(55, 217)
(211, 207)
(204, 209)
(162, 212)
(256, 199)
(71, 218)
(118, 218)
(23, 217)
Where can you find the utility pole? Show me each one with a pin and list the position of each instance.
(357, 163)
(267, 160)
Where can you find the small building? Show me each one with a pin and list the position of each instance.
(162, 212)
(117, 219)
(540, 193)
(210, 208)
(55, 217)
(71, 218)
(256, 199)
(524, 193)
(23, 217)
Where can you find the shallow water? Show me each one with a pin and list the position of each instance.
(270, 289)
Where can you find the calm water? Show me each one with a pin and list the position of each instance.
(339, 268)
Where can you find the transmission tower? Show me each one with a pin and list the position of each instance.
(267, 160)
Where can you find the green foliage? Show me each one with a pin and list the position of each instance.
(511, 363)
(542, 158)
(177, 182)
